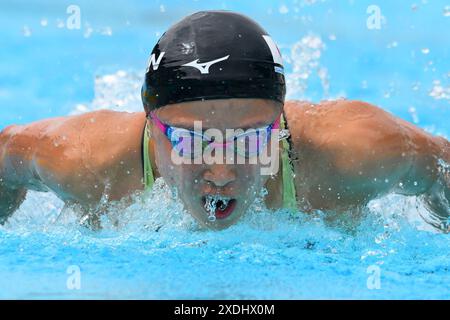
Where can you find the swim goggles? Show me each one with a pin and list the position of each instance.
(247, 144)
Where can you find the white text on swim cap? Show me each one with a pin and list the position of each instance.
(153, 62)
(276, 55)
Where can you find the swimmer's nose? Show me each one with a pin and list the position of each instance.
(220, 175)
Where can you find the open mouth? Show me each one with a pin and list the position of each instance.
(218, 207)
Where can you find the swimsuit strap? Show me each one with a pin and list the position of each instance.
(149, 178)
(287, 172)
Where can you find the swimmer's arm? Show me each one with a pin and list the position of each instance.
(433, 164)
(12, 191)
(429, 172)
(10, 201)
(427, 158)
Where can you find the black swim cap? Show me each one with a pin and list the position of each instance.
(213, 55)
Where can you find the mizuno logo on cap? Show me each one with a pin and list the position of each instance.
(204, 67)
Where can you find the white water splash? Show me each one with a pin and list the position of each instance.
(439, 91)
(119, 91)
(305, 59)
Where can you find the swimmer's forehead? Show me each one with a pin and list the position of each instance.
(221, 113)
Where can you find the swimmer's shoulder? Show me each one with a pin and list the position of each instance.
(109, 128)
(97, 139)
(329, 118)
(102, 139)
(344, 127)
(306, 114)
(73, 124)
(96, 127)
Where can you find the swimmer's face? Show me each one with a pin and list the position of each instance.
(197, 182)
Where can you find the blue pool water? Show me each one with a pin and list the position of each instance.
(158, 251)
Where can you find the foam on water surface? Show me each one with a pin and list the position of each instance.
(154, 249)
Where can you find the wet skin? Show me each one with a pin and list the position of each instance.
(345, 153)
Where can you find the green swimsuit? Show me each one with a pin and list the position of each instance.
(287, 173)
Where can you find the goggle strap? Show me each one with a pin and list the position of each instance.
(158, 123)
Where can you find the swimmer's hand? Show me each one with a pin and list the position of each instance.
(10, 201)
(437, 197)
(10, 197)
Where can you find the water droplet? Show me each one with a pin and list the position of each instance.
(364, 84)
(425, 51)
(88, 31)
(447, 11)
(26, 31)
(60, 23)
(106, 31)
(283, 9)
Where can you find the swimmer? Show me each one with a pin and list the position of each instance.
(223, 70)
